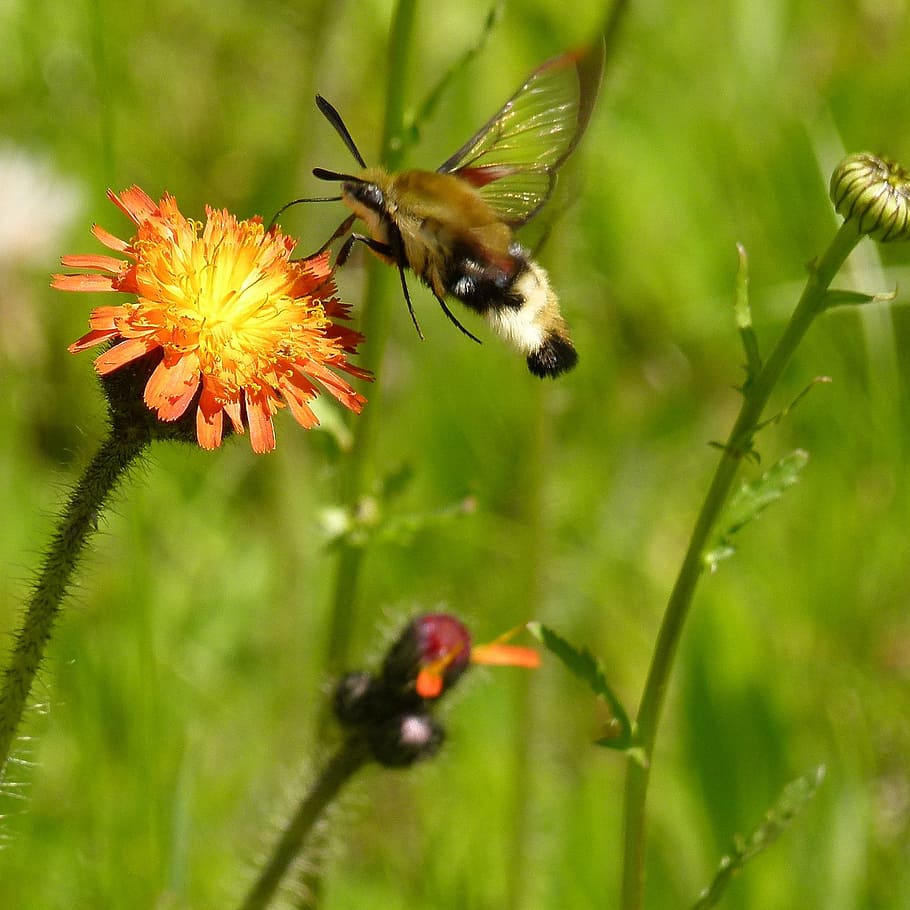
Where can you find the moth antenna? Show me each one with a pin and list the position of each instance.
(454, 319)
(288, 205)
(334, 118)
(322, 174)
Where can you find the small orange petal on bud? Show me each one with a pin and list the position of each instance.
(429, 684)
(502, 655)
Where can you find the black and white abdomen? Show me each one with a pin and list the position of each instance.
(520, 306)
(536, 327)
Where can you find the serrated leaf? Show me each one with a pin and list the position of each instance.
(837, 297)
(402, 529)
(794, 799)
(583, 664)
(372, 522)
(750, 500)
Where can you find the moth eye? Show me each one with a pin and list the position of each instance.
(369, 194)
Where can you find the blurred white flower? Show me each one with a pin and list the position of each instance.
(37, 208)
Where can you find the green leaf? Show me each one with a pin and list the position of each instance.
(370, 521)
(402, 529)
(751, 500)
(836, 297)
(373, 519)
(792, 802)
(780, 415)
(588, 668)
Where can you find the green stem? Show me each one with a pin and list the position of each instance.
(755, 397)
(106, 90)
(349, 758)
(78, 521)
(375, 330)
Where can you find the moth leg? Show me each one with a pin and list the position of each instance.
(396, 254)
(454, 319)
(407, 300)
(387, 251)
(381, 249)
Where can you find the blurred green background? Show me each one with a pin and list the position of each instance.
(173, 721)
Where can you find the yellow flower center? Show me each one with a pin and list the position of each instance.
(224, 290)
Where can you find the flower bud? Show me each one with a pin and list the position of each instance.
(874, 193)
(432, 647)
(405, 739)
(390, 711)
(357, 699)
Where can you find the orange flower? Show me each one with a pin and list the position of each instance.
(241, 328)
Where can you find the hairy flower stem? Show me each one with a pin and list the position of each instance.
(738, 444)
(78, 521)
(375, 330)
(346, 761)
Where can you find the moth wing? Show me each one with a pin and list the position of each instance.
(513, 158)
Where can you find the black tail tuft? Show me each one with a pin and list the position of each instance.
(555, 355)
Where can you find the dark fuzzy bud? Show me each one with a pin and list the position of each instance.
(355, 699)
(404, 739)
(433, 641)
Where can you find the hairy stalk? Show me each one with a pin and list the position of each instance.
(375, 329)
(78, 521)
(346, 761)
(755, 397)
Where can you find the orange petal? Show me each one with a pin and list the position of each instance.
(209, 421)
(356, 372)
(505, 655)
(105, 317)
(318, 265)
(429, 684)
(259, 418)
(232, 409)
(172, 386)
(123, 353)
(109, 240)
(297, 395)
(336, 386)
(90, 339)
(93, 261)
(135, 203)
(82, 283)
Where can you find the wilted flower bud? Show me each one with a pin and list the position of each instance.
(874, 193)
(389, 712)
(429, 656)
(356, 698)
(404, 739)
